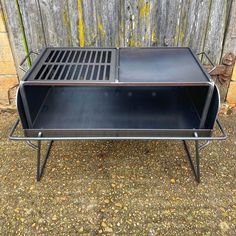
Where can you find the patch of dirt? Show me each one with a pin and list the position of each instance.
(117, 187)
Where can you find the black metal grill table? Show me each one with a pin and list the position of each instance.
(112, 93)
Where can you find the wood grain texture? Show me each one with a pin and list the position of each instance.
(32, 25)
(168, 22)
(56, 21)
(12, 22)
(216, 28)
(193, 23)
(230, 35)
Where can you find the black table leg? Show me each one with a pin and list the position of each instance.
(194, 166)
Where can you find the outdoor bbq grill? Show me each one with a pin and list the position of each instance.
(112, 93)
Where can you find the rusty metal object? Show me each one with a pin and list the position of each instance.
(223, 71)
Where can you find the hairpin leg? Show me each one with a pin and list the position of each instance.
(40, 168)
(194, 166)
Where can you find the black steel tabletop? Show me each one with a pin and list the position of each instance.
(117, 66)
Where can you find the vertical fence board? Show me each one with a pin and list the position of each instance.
(32, 25)
(73, 17)
(121, 23)
(215, 30)
(168, 20)
(108, 22)
(55, 15)
(193, 23)
(131, 22)
(230, 36)
(13, 25)
(140, 23)
(91, 36)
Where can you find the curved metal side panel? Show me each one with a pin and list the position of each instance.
(21, 110)
(213, 109)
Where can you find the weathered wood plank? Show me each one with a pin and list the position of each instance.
(193, 23)
(13, 24)
(121, 23)
(73, 13)
(230, 36)
(56, 21)
(108, 22)
(90, 22)
(32, 25)
(140, 23)
(143, 23)
(215, 29)
(131, 22)
(168, 15)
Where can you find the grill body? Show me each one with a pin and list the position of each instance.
(130, 93)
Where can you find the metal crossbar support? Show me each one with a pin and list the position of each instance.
(40, 168)
(194, 165)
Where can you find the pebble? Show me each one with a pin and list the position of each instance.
(103, 224)
(118, 205)
(108, 230)
(224, 226)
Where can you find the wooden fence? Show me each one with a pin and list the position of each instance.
(200, 24)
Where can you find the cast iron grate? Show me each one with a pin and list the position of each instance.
(77, 64)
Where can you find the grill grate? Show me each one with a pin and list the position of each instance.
(77, 65)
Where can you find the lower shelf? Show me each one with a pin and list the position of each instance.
(116, 108)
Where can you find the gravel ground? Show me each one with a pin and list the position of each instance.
(117, 188)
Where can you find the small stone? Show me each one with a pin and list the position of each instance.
(172, 181)
(118, 204)
(103, 224)
(17, 210)
(106, 201)
(113, 185)
(54, 217)
(125, 208)
(108, 230)
(81, 229)
(224, 226)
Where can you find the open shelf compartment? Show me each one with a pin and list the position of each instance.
(114, 110)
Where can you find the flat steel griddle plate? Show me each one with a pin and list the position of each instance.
(169, 65)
